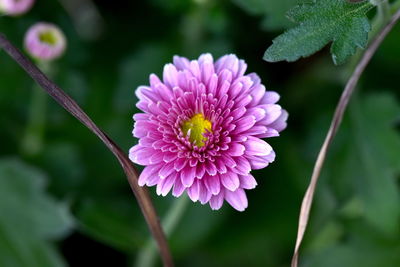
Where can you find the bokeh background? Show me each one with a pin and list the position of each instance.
(64, 200)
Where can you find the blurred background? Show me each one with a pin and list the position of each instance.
(64, 200)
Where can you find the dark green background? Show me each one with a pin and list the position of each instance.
(70, 203)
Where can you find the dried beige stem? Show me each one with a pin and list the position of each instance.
(336, 121)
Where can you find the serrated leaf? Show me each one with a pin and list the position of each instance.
(29, 218)
(274, 11)
(337, 21)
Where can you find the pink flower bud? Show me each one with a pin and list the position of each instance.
(45, 41)
(15, 7)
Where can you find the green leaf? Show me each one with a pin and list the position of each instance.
(134, 70)
(345, 24)
(113, 222)
(274, 11)
(378, 153)
(29, 218)
(355, 253)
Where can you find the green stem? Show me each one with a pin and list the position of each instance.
(147, 255)
(193, 35)
(32, 140)
(395, 6)
(384, 10)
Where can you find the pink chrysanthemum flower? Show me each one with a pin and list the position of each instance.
(201, 130)
(15, 7)
(45, 41)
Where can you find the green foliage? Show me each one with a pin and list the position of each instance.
(359, 251)
(353, 219)
(274, 11)
(361, 226)
(337, 21)
(29, 218)
(149, 59)
(377, 157)
(107, 222)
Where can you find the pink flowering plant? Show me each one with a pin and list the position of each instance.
(202, 132)
(45, 41)
(202, 128)
(15, 7)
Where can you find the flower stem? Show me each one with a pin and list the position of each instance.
(335, 124)
(32, 141)
(64, 100)
(146, 257)
(395, 6)
(384, 10)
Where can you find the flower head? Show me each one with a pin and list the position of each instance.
(201, 128)
(15, 7)
(45, 41)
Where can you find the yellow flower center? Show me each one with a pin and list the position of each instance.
(48, 37)
(198, 126)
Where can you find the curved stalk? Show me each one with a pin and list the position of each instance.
(146, 257)
(141, 193)
(335, 124)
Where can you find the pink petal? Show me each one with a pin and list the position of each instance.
(230, 181)
(178, 188)
(258, 112)
(280, 123)
(179, 164)
(221, 167)
(170, 75)
(154, 80)
(247, 182)
(148, 172)
(194, 191)
(229, 162)
(204, 195)
(146, 93)
(169, 156)
(270, 97)
(257, 94)
(210, 168)
(200, 170)
(236, 150)
(243, 166)
(238, 112)
(164, 186)
(157, 157)
(213, 184)
(260, 162)
(257, 147)
(217, 201)
(141, 128)
(244, 124)
(187, 176)
(181, 63)
(273, 112)
(141, 155)
(166, 170)
(207, 67)
(153, 180)
(237, 199)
